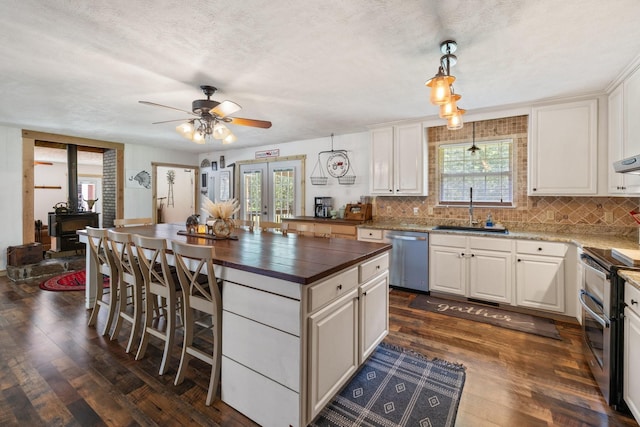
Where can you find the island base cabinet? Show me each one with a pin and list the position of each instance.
(333, 349)
(374, 321)
(631, 377)
(256, 396)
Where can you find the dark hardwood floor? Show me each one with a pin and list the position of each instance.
(54, 370)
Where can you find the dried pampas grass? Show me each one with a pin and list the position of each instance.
(224, 210)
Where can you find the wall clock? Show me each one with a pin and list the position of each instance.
(338, 164)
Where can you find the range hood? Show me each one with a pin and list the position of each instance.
(628, 165)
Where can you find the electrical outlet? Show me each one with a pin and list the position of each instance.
(416, 211)
(388, 209)
(430, 210)
(551, 215)
(608, 217)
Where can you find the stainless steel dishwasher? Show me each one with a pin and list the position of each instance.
(409, 263)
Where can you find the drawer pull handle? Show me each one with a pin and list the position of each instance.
(634, 302)
(339, 287)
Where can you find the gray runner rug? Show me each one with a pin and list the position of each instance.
(396, 388)
(488, 314)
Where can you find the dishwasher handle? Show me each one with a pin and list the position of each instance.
(411, 238)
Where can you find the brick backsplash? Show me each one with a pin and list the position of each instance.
(594, 215)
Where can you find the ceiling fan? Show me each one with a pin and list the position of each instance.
(210, 118)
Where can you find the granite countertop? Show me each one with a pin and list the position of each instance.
(632, 277)
(592, 240)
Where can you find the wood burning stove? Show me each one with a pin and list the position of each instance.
(63, 227)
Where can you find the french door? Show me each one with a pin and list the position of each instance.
(270, 191)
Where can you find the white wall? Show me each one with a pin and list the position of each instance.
(357, 145)
(10, 191)
(184, 204)
(138, 201)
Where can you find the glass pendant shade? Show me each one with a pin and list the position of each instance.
(198, 137)
(186, 130)
(450, 107)
(454, 121)
(440, 86)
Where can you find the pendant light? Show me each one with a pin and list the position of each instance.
(473, 147)
(442, 92)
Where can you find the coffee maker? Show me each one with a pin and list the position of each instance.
(323, 207)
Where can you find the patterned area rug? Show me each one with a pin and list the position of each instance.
(398, 387)
(488, 314)
(74, 281)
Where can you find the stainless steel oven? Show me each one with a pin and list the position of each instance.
(595, 298)
(602, 301)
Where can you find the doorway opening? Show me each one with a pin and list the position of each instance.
(175, 196)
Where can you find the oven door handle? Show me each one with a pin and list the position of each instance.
(601, 320)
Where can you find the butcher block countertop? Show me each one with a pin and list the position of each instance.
(298, 259)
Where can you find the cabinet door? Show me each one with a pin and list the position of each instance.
(447, 269)
(409, 152)
(564, 134)
(631, 367)
(333, 349)
(374, 314)
(490, 275)
(619, 146)
(631, 113)
(382, 161)
(540, 282)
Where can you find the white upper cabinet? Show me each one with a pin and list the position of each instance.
(563, 149)
(399, 161)
(624, 133)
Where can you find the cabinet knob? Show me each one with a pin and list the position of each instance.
(519, 260)
(539, 249)
(339, 287)
(391, 190)
(377, 267)
(462, 254)
(535, 189)
(633, 302)
(472, 255)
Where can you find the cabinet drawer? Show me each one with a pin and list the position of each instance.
(373, 267)
(448, 240)
(332, 288)
(632, 298)
(534, 247)
(490, 244)
(369, 234)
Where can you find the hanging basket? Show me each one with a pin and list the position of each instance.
(318, 179)
(347, 180)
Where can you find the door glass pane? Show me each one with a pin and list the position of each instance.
(252, 197)
(283, 193)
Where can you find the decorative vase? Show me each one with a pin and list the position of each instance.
(222, 227)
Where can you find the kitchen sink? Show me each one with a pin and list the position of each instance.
(471, 228)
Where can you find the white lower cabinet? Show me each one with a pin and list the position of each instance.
(476, 267)
(333, 349)
(348, 317)
(631, 380)
(540, 275)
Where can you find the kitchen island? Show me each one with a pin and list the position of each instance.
(300, 315)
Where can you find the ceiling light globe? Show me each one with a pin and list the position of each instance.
(454, 122)
(440, 86)
(447, 109)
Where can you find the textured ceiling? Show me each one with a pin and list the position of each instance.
(310, 67)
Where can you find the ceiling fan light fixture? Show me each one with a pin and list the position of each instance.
(220, 131)
(229, 139)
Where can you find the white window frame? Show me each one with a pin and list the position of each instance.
(475, 177)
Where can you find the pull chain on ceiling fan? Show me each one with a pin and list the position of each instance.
(210, 118)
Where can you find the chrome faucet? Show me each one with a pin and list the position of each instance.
(471, 221)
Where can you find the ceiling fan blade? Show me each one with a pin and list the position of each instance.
(169, 121)
(225, 108)
(166, 106)
(249, 122)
